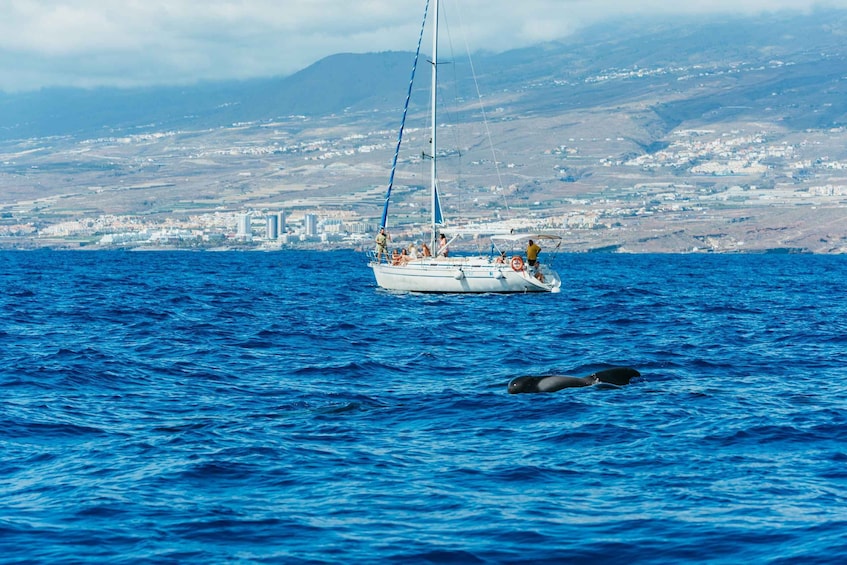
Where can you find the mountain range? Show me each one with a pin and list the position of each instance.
(813, 87)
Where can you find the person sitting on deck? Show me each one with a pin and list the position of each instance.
(425, 250)
(443, 250)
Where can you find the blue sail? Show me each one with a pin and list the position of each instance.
(437, 217)
(384, 220)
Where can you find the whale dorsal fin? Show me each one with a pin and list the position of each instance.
(617, 375)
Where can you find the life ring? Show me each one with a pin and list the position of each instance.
(516, 263)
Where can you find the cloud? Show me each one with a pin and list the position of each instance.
(137, 42)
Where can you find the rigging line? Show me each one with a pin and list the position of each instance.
(454, 111)
(403, 121)
(484, 116)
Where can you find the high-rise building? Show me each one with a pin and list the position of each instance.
(310, 223)
(271, 230)
(245, 230)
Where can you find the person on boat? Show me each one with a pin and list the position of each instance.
(395, 257)
(382, 240)
(443, 250)
(404, 257)
(413, 252)
(532, 251)
(425, 252)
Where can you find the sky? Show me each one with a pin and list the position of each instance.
(126, 43)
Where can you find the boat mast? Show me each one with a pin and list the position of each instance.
(434, 204)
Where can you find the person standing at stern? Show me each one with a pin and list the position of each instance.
(382, 240)
(532, 251)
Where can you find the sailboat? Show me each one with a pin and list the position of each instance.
(442, 272)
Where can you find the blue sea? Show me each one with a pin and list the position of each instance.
(247, 407)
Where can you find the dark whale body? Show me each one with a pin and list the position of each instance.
(550, 383)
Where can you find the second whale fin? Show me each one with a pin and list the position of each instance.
(617, 375)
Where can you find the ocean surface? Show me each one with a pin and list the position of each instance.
(201, 407)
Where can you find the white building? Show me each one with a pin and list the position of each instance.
(245, 230)
(271, 227)
(310, 224)
(332, 225)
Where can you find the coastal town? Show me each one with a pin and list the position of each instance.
(694, 194)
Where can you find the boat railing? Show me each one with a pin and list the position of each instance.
(372, 256)
(474, 259)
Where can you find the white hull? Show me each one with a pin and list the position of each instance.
(461, 274)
